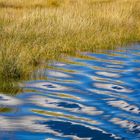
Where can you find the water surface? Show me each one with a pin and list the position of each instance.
(92, 97)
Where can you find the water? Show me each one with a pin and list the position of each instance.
(93, 97)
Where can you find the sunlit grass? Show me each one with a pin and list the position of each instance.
(32, 32)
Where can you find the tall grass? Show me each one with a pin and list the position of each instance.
(34, 31)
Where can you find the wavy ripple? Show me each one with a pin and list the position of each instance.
(95, 96)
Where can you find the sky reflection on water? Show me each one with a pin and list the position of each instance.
(79, 99)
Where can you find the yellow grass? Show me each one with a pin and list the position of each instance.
(34, 31)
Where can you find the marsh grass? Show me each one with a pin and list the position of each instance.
(33, 32)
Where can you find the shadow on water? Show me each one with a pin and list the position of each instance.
(85, 96)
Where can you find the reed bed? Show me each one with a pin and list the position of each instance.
(33, 32)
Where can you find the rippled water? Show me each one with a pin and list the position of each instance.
(94, 97)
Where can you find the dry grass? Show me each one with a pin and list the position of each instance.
(31, 32)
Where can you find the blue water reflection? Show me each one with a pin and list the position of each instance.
(93, 97)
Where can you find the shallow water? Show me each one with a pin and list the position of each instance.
(94, 97)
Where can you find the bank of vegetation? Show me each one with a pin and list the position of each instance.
(35, 31)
